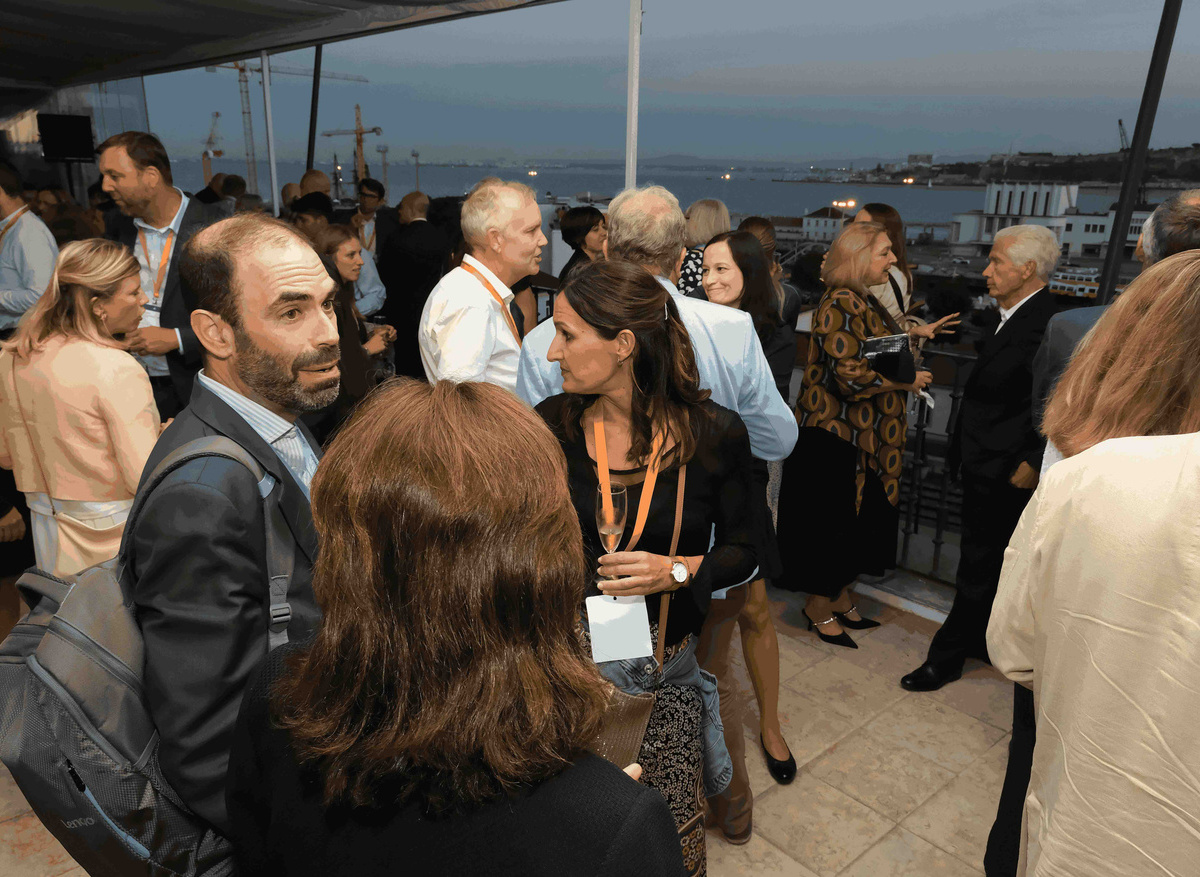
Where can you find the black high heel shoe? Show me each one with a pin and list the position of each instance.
(783, 771)
(861, 624)
(842, 639)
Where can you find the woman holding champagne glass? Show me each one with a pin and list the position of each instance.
(640, 436)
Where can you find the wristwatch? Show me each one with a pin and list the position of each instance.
(680, 572)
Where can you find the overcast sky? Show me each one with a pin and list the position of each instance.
(751, 79)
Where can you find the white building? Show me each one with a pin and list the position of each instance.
(1054, 205)
(824, 224)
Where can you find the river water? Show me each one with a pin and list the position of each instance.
(745, 192)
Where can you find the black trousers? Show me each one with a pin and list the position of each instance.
(1004, 842)
(991, 509)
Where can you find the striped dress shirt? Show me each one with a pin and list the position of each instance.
(285, 439)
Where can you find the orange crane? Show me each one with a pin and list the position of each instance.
(360, 161)
(210, 149)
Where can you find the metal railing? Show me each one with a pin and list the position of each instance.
(930, 504)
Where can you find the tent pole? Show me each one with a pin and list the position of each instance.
(266, 80)
(312, 113)
(1135, 161)
(631, 99)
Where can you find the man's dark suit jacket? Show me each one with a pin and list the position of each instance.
(410, 267)
(177, 301)
(198, 572)
(995, 431)
(1063, 334)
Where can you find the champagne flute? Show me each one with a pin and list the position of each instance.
(612, 529)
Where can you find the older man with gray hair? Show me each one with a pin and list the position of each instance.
(467, 331)
(995, 444)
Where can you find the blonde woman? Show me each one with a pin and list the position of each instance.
(1097, 603)
(77, 416)
(838, 503)
(706, 219)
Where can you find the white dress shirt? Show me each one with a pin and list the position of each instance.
(1006, 313)
(464, 334)
(366, 236)
(729, 358)
(149, 262)
(27, 258)
(285, 439)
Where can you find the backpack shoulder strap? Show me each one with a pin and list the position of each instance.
(280, 556)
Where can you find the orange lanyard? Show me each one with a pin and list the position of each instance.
(11, 223)
(367, 244)
(163, 260)
(606, 480)
(512, 324)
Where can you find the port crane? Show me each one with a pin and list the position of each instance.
(360, 160)
(244, 69)
(210, 149)
(1124, 138)
(416, 170)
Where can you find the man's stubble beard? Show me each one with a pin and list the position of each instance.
(279, 382)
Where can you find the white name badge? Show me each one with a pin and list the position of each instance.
(620, 628)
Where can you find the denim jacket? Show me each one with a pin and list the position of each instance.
(640, 675)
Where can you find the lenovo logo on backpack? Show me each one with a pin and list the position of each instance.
(82, 822)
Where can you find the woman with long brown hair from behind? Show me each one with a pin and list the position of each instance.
(77, 415)
(437, 723)
(1097, 606)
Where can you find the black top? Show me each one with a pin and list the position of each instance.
(579, 257)
(780, 349)
(719, 490)
(591, 819)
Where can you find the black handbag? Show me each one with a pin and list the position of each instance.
(890, 355)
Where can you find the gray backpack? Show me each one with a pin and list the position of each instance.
(74, 728)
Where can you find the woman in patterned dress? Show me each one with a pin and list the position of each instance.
(841, 484)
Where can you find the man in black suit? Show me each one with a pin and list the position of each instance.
(410, 264)
(156, 222)
(197, 557)
(996, 444)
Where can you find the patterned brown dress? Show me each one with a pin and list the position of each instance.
(832, 394)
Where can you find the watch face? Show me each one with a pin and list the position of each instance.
(679, 572)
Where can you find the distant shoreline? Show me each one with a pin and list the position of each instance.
(956, 187)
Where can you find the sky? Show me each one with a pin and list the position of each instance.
(751, 80)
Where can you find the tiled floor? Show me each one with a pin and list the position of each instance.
(891, 784)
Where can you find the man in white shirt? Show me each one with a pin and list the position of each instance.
(27, 252)
(467, 330)
(158, 222)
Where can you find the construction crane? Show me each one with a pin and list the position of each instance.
(1124, 138)
(210, 149)
(360, 160)
(383, 151)
(244, 70)
(417, 170)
